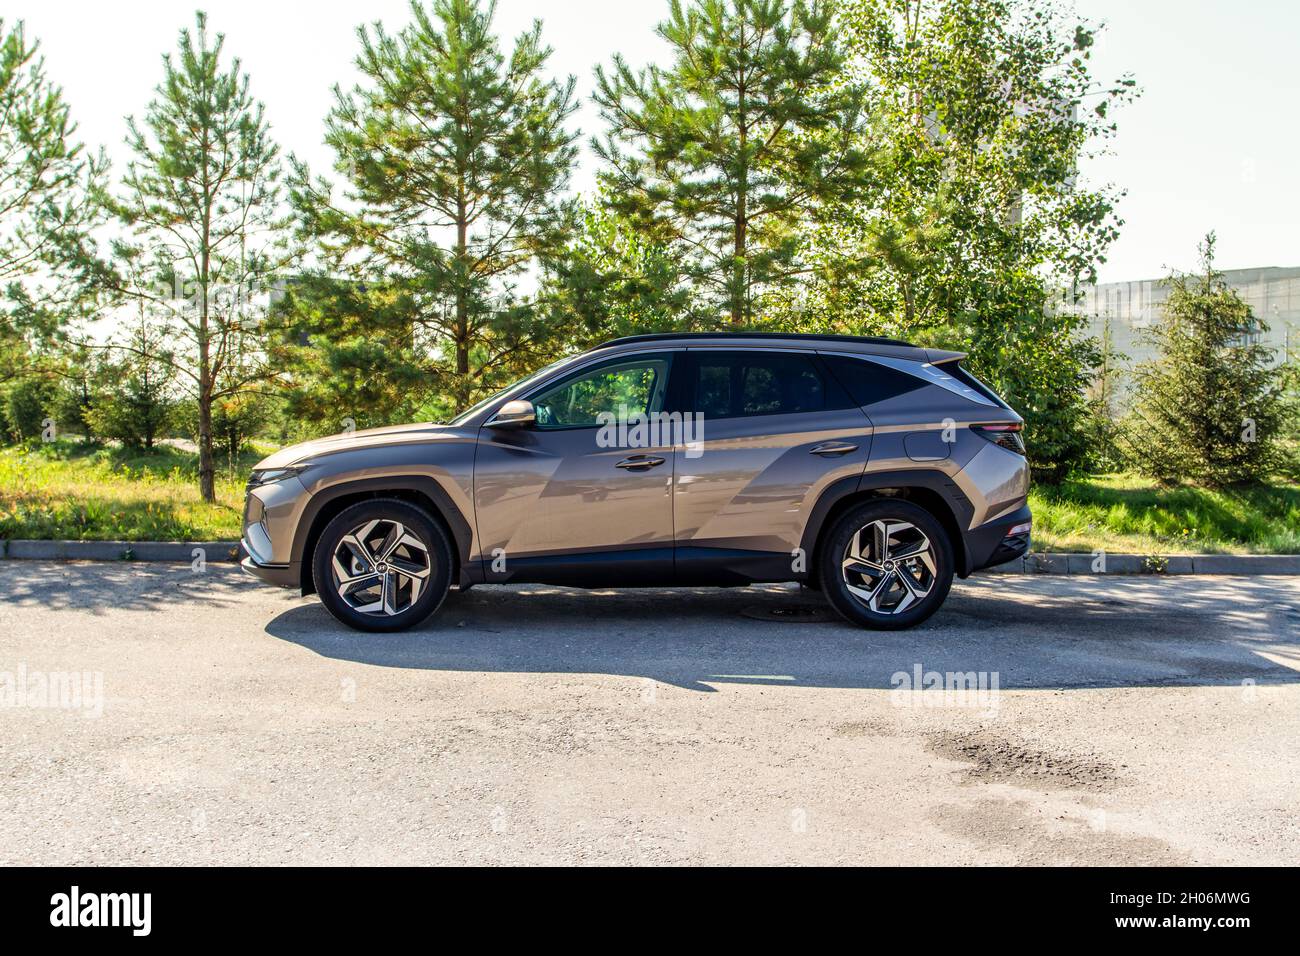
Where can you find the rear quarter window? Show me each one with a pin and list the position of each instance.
(970, 381)
(869, 382)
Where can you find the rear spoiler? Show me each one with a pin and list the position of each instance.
(941, 357)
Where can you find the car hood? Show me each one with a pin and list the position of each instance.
(350, 441)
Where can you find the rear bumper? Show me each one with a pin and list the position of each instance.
(990, 544)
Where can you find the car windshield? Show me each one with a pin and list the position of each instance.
(470, 412)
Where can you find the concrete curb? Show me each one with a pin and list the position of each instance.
(1082, 564)
(21, 550)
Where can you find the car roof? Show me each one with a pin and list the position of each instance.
(865, 344)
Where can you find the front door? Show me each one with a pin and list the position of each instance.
(576, 499)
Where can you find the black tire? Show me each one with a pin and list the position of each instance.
(406, 613)
(835, 551)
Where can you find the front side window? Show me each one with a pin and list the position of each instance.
(630, 387)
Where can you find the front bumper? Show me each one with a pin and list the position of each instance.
(272, 513)
(990, 544)
(257, 545)
(281, 575)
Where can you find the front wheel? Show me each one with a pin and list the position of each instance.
(886, 564)
(382, 565)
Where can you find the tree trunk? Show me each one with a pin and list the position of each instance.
(462, 309)
(462, 304)
(738, 263)
(738, 290)
(207, 484)
(207, 469)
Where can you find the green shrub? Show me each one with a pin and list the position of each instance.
(137, 412)
(236, 420)
(28, 403)
(72, 401)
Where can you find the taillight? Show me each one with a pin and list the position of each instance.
(1006, 434)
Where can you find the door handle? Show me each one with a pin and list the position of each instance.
(639, 462)
(828, 448)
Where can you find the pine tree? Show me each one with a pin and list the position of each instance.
(615, 282)
(457, 159)
(201, 200)
(1209, 408)
(50, 201)
(722, 155)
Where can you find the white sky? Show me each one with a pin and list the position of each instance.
(1212, 143)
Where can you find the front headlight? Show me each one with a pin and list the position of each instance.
(268, 476)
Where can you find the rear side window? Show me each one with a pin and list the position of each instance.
(741, 384)
(870, 382)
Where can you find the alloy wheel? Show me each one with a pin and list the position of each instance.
(888, 566)
(380, 567)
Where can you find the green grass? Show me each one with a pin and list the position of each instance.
(1126, 514)
(69, 490)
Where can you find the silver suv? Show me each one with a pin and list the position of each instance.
(869, 469)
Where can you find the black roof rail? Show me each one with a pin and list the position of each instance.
(802, 336)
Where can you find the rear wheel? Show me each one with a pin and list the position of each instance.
(382, 565)
(886, 564)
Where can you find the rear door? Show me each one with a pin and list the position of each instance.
(774, 431)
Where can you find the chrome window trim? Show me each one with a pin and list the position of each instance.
(598, 360)
(516, 391)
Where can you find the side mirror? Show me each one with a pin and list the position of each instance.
(516, 414)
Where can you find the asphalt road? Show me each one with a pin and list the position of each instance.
(1134, 720)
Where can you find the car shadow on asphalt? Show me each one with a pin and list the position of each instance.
(1022, 632)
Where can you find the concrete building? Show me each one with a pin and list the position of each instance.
(1129, 308)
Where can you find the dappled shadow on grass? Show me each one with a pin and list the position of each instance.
(1033, 632)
